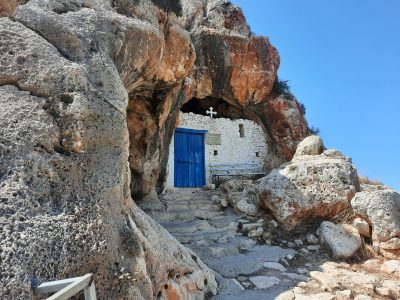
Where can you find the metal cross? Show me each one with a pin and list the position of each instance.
(211, 112)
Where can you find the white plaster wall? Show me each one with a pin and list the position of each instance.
(233, 148)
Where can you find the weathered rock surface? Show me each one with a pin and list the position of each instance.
(381, 208)
(362, 226)
(208, 52)
(309, 186)
(342, 240)
(264, 282)
(287, 124)
(241, 194)
(311, 145)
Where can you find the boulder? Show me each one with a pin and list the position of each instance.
(241, 194)
(309, 186)
(362, 227)
(311, 145)
(381, 208)
(342, 240)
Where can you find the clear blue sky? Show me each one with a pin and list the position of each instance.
(342, 59)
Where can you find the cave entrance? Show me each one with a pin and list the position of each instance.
(220, 106)
(203, 141)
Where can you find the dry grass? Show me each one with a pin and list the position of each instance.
(366, 180)
(345, 217)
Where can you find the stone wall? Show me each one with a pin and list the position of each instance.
(233, 149)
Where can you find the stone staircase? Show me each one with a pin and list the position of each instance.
(196, 219)
(247, 270)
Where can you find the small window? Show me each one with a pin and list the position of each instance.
(241, 130)
(215, 152)
(257, 154)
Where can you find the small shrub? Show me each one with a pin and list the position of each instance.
(366, 180)
(302, 108)
(281, 87)
(313, 130)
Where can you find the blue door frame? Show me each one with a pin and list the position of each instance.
(189, 158)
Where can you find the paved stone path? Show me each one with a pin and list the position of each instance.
(246, 269)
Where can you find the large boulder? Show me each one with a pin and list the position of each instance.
(381, 208)
(309, 186)
(311, 145)
(342, 240)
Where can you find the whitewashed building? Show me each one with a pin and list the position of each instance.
(201, 144)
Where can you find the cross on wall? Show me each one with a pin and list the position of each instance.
(211, 112)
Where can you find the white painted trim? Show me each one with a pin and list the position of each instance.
(67, 288)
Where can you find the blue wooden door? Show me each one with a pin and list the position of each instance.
(189, 164)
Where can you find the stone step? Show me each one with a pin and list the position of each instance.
(187, 227)
(188, 198)
(184, 215)
(193, 205)
(209, 236)
(224, 222)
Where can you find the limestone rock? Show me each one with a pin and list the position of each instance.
(246, 245)
(311, 145)
(319, 296)
(311, 239)
(241, 195)
(295, 276)
(264, 282)
(274, 266)
(344, 295)
(391, 288)
(362, 227)
(7, 7)
(287, 123)
(342, 240)
(288, 295)
(382, 210)
(391, 267)
(224, 202)
(362, 297)
(309, 186)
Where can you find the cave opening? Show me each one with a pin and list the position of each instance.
(152, 119)
(220, 106)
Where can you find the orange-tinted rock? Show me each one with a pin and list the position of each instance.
(178, 55)
(236, 68)
(286, 124)
(7, 7)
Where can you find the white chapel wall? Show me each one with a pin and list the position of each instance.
(233, 149)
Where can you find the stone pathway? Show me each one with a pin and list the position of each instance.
(248, 269)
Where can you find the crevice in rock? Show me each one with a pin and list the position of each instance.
(15, 83)
(69, 6)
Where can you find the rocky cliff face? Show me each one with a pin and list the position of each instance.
(90, 92)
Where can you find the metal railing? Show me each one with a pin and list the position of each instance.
(67, 288)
